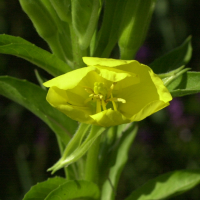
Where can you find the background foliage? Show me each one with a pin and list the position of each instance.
(168, 140)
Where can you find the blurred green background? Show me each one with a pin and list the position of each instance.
(168, 140)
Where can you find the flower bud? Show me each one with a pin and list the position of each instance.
(84, 20)
(63, 9)
(135, 23)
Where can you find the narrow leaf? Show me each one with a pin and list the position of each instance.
(41, 190)
(60, 43)
(33, 98)
(84, 19)
(118, 159)
(62, 7)
(167, 185)
(21, 48)
(80, 149)
(108, 35)
(188, 83)
(75, 189)
(134, 25)
(174, 59)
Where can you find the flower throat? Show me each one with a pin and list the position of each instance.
(102, 96)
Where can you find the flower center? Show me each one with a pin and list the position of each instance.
(102, 96)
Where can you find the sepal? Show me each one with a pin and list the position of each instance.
(78, 145)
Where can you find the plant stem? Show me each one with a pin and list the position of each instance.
(91, 168)
(61, 148)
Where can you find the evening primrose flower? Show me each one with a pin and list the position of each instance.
(108, 92)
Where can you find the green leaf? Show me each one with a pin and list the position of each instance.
(21, 48)
(174, 59)
(62, 7)
(49, 26)
(168, 78)
(78, 146)
(118, 159)
(188, 83)
(41, 190)
(84, 19)
(167, 185)
(108, 35)
(33, 98)
(75, 189)
(60, 43)
(134, 25)
(40, 17)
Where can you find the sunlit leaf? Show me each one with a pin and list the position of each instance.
(21, 48)
(75, 189)
(41, 190)
(167, 185)
(188, 83)
(174, 59)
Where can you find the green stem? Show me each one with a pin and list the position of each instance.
(127, 54)
(91, 168)
(62, 148)
(174, 76)
(77, 52)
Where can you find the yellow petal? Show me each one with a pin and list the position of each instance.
(114, 70)
(81, 114)
(149, 90)
(142, 91)
(58, 99)
(70, 79)
(106, 62)
(116, 75)
(148, 110)
(109, 118)
(56, 96)
(163, 92)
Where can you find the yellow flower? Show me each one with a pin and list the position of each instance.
(108, 92)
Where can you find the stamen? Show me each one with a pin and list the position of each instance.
(103, 104)
(88, 90)
(91, 95)
(121, 100)
(111, 89)
(114, 104)
(117, 100)
(101, 95)
(98, 106)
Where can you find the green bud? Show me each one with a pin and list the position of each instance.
(63, 9)
(49, 26)
(84, 20)
(134, 26)
(63, 38)
(40, 17)
(108, 34)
